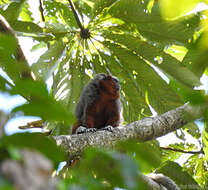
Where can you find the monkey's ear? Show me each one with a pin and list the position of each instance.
(115, 79)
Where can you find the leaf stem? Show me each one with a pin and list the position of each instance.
(84, 32)
(183, 151)
(76, 15)
(41, 11)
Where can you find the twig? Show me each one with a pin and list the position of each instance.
(76, 15)
(33, 124)
(84, 32)
(41, 10)
(183, 151)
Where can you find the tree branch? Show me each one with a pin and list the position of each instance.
(183, 151)
(41, 10)
(143, 130)
(84, 32)
(76, 15)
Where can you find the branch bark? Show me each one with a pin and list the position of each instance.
(142, 130)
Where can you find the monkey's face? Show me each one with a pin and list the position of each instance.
(116, 82)
(110, 85)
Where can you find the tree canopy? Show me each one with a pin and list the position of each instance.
(159, 53)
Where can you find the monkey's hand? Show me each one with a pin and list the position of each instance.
(108, 128)
(82, 129)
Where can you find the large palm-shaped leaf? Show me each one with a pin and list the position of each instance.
(127, 39)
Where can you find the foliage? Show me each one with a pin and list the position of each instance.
(159, 61)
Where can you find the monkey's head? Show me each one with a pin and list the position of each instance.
(108, 84)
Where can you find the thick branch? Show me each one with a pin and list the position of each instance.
(143, 130)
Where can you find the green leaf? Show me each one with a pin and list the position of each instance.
(47, 109)
(3, 84)
(168, 155)
(84, 7)
(38, 142)
(193, 130)
(26, 14)
(195, 97)
(4, 2)
(26, 27)
(151, 25)
(176, 173)
(70, 79)
(57, 28)
(200, 170)
(41, 104)
(58, 10)
(76, 85)
(13, 10)
(171, 155)
(29, 88)
(39, 46)
(134, 105)
(167, 63)
(147, 80)
(8, 48)
(47, 62)
(196, 57)
(205, 141)
(171, 10)
(147, 155)
(61, 87)
(100, 5)
(118, 169)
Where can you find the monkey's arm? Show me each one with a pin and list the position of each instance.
(113, 111)
(113, 120)
(87, 125)
(90, 116)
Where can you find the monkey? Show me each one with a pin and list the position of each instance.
(99, 106)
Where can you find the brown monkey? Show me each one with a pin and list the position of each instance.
(99, 106)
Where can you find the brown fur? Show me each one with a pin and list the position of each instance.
(99, 105)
